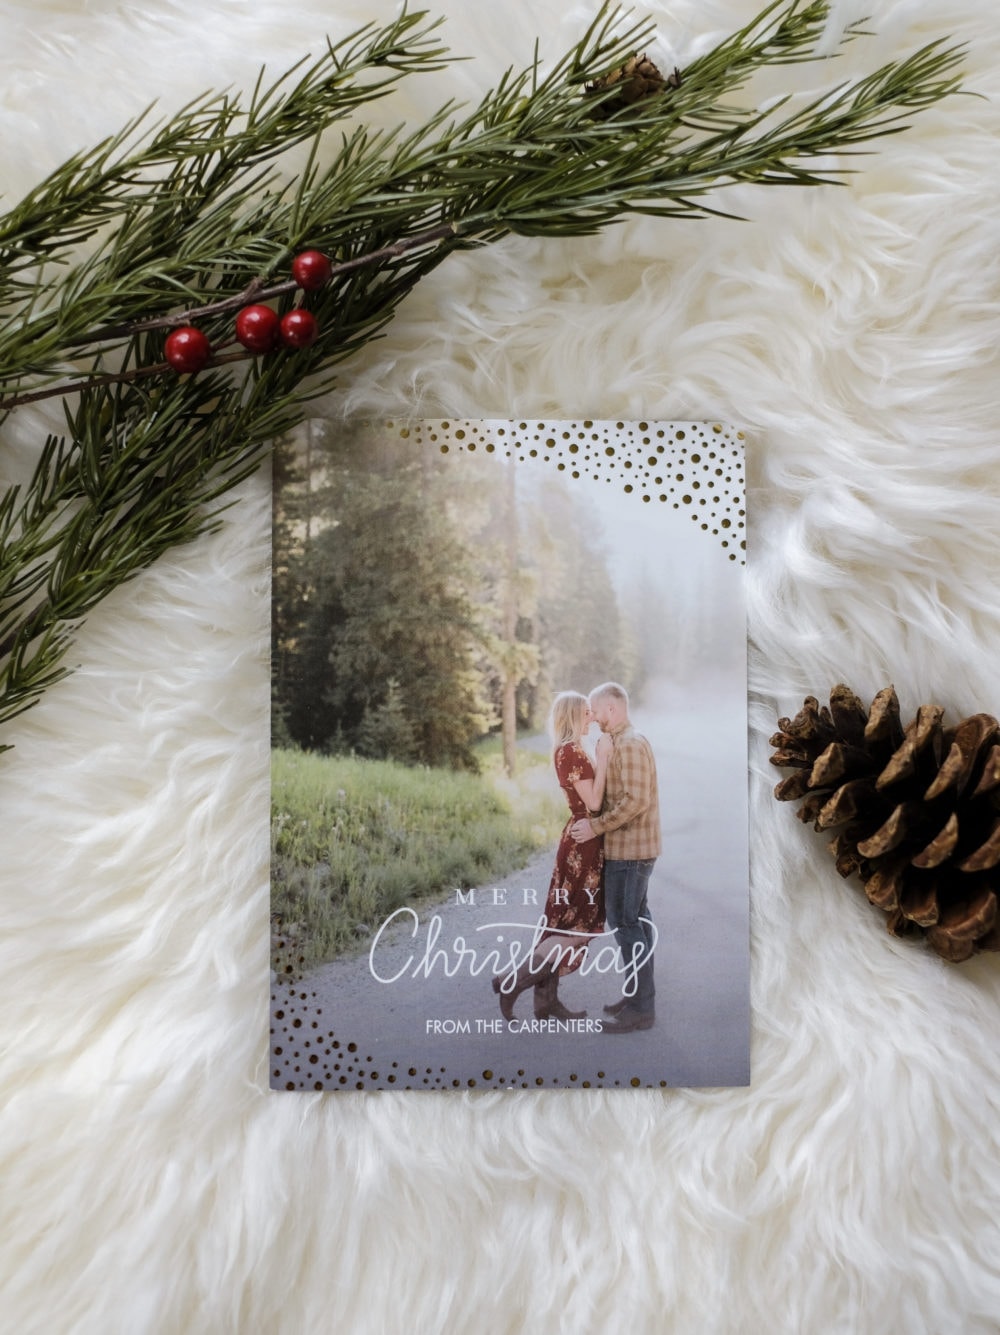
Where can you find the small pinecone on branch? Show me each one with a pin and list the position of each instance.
(916, 811)
(637, 79)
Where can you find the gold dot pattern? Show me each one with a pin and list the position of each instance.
(696, 468)
(309, 1056)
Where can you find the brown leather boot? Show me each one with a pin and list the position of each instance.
(547, 1003)
(546, 988)
(523, 979)
(560, 1012)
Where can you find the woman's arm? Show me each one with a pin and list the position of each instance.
(592, 790)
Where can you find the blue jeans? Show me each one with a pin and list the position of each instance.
(627, 911)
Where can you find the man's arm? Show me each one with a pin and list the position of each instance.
(636, 763)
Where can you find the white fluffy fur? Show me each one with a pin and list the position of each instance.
(151, 1183)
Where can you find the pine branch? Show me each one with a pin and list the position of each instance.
(255, 291)
(202, 215)
(111, 180)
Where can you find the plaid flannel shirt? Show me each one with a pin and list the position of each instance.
(630, 816)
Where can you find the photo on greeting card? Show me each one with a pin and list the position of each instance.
(509, 764)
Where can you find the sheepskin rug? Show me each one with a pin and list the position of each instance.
(151, 1181)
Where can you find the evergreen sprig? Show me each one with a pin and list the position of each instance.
(203, 210)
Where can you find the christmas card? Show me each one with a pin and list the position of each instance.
(509, 771)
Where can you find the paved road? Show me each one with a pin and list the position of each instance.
(342, 1029)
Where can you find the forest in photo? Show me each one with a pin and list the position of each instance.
(424, 601)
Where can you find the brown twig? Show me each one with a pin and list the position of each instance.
(256, 291)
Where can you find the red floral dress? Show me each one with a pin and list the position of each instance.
(579, 867)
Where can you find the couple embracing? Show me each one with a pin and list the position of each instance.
(603, 864)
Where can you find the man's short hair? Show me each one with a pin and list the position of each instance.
(612, 689)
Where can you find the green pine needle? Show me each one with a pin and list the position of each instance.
(190, 212)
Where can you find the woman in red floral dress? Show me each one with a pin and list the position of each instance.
(574, 908)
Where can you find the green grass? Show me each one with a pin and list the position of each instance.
(352, 840)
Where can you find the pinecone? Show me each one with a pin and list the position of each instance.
(638, 78)
(916, 809)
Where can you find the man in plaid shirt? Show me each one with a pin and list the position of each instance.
(630, 823)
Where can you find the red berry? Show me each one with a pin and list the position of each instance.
(187, 350)
(299, 328)
(257, 328)
(311, 269)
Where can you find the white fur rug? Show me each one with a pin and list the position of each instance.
(150, 1180)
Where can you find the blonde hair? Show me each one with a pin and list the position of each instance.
(612, 689)
(566, 718)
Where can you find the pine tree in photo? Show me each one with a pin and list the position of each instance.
(385, 731)
(389, 606)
